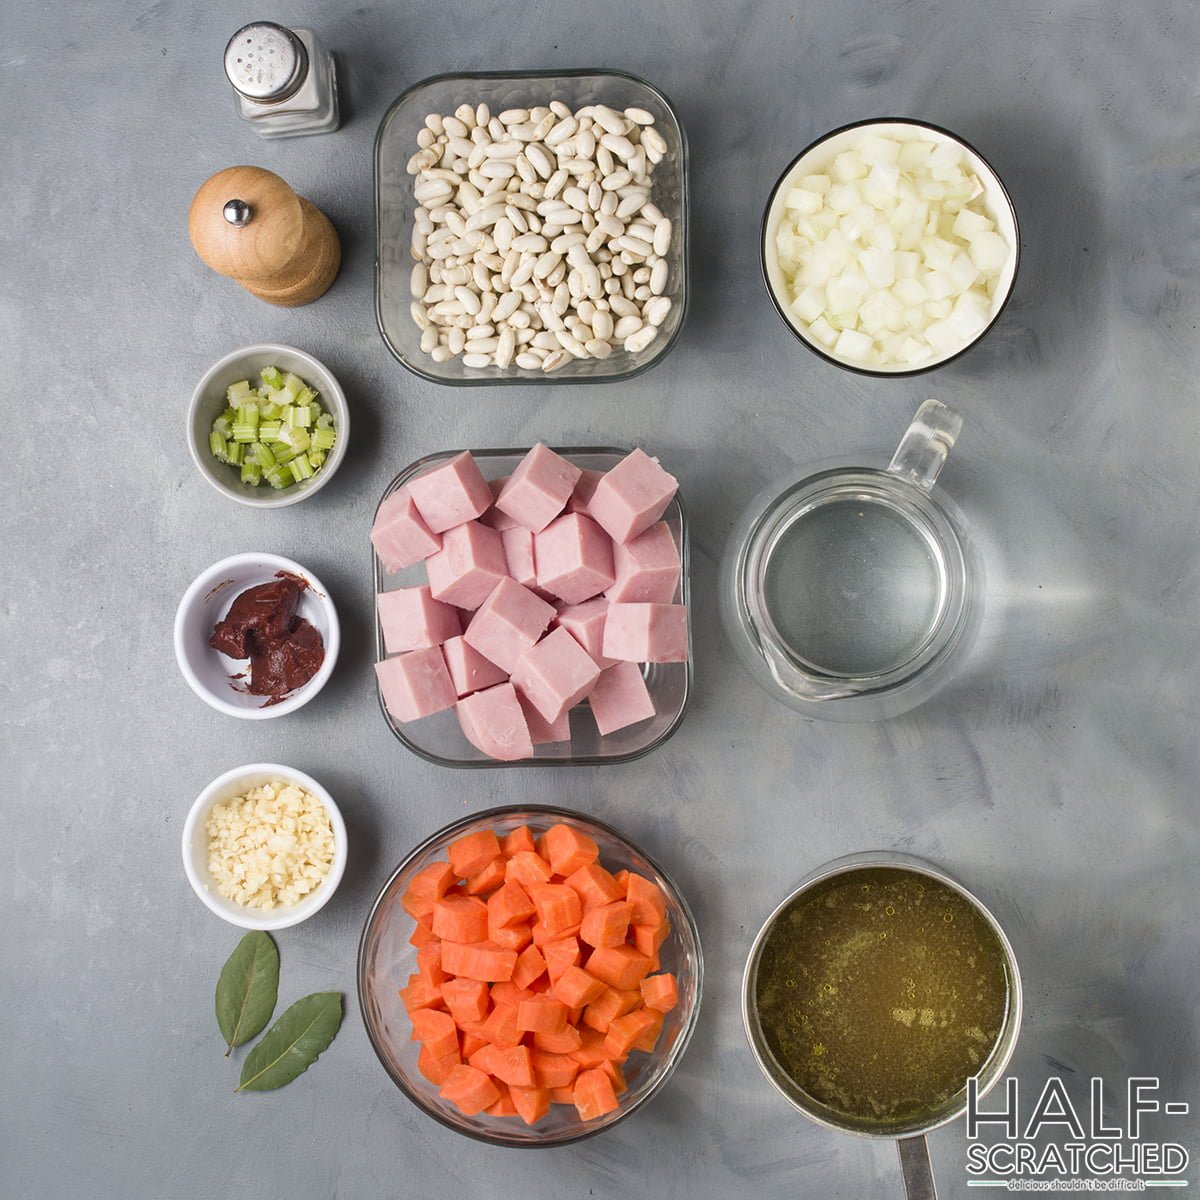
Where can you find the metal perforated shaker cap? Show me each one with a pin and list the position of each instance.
(265, 62)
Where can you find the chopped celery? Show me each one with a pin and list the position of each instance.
(277, 432)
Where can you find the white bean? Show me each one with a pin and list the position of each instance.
(658, 277)
(636, 342)
(656, 310)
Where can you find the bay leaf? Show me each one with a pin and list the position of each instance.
(293, 1043)
(247, 989)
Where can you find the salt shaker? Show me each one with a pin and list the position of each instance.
(284, 81)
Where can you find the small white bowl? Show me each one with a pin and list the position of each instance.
(817, 158)
(208, 402)
(195, 847)
(209, 597)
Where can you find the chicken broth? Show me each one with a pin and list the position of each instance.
(879, 993)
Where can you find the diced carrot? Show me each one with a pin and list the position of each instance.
(435, 1069)
(611, 1068)
(492, 876)
(554, 1070)
(649, 906)
(436, 1029)
(648, 1038)
(568, 849)
(541, 983)
(470, 1089)
(420, 993)
(591, 1051)
(480, 960)
(576, 988)
(532, 1103)
(500, 1028)
(508, 993)
(520, 838)
(511, 937)
(481, 1057)
(558, 907)
(594, 1094)
(624, 1031)
(504, 1107)
(471, 1042)
(618, 966)
(467, 999)
(460, 919)
(559, 1043)
(562, 1095)
(429, 960)
(542, 934)
(560, 954)
(472, 852)
(530, 967)
(526, 867)
(660, 992)
(419, 907)
(421, 935)
(513, 1064)
(542, 1014)
(648, 938)
(432, 881)
(509, 904)
(605, 925)
(622, 878)
(614, 1003)
(595, 886)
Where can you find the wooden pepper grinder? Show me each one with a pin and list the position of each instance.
(248, 224)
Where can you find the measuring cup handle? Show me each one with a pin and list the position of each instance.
(915, 1168)
(926, 444)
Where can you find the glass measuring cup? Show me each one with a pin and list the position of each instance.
(851, 593)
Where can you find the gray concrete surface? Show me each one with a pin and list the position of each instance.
(1059, 778)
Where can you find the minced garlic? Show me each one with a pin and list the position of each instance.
(271, 847)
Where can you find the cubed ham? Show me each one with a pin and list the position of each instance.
(493, 722)
(469, 670)
(646, 568)
(574, 558)
(555, 674)
(584, 490)
(451, 494)
(541, 731)
(585, 623)
(507, 623)
(518, 553)
(620, 698)
(399, 535)
(494, 518)
(538, 490)
(468, 566)
(415, 684)
(632, 496)
(413, 620)
(646, 633)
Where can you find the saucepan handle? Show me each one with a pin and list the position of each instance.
(926, 444)
(916, 1169)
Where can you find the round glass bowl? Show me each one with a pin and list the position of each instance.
(396, 143)
(215, 678)
(195, 847)
(385, 960)
(817, 159)
(208, 402)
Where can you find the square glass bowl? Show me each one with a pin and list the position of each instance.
(396, 143)
(386, 958)
(439, 739)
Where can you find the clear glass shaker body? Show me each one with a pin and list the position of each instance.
(294, 61)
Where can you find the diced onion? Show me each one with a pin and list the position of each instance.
(889, 257)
